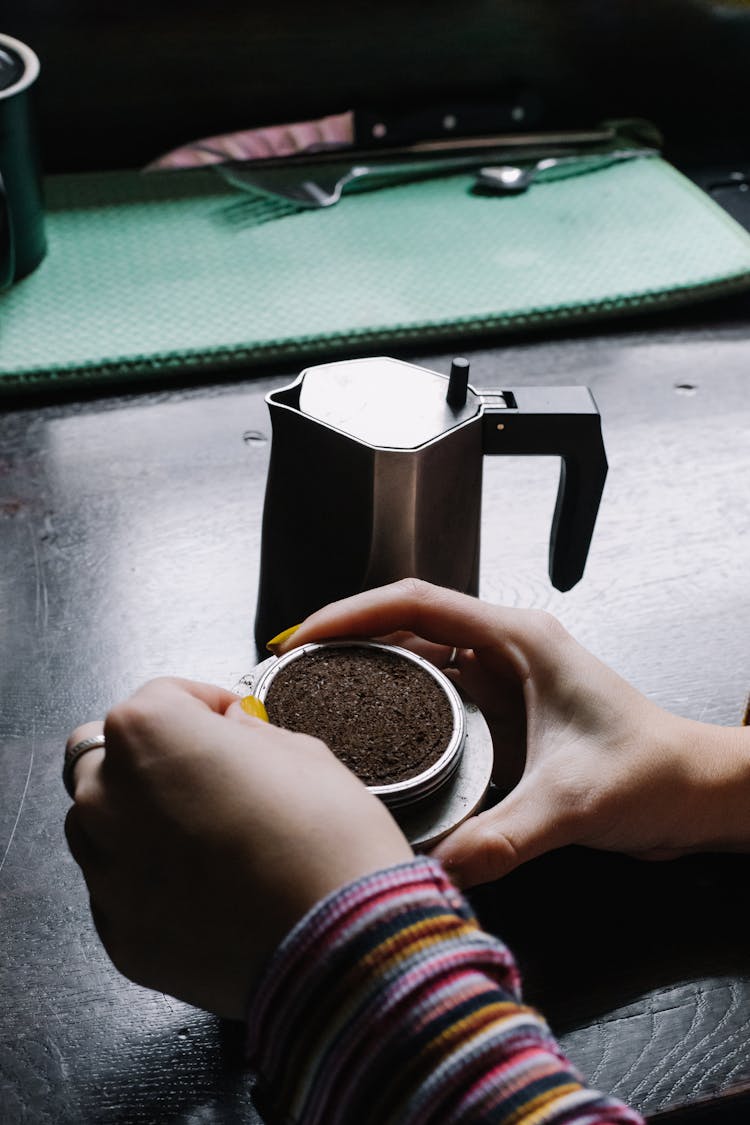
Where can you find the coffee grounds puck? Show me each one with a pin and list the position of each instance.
(382, 715)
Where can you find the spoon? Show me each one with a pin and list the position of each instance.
(512, 179)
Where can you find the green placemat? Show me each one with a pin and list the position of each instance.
(169, 271)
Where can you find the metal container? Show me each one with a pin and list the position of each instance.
(423, 785)
(433, 804)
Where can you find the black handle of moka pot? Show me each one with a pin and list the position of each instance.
(562, 422)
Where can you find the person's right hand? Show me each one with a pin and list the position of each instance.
(583, 757)
(204, 834)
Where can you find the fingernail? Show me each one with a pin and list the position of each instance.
(279, 639)
(252, 706)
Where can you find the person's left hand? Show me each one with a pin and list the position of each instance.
(581, 757)
(205, 834)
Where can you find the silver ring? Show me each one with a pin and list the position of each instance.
(73, 753)
(451, 662)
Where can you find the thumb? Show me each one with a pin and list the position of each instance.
(247, 710)
(490, 845)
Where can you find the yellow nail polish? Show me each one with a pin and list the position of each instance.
(252, 706)
(279, 639)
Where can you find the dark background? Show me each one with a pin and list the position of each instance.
(124, 82)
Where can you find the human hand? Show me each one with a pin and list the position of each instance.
(205, 834)
(583, 757)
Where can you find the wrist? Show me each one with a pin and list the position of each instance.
(718, 765)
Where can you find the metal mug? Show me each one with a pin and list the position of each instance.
(22, 236)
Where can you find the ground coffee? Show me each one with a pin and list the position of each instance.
(385, 717)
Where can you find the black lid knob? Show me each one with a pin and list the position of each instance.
(458, 383)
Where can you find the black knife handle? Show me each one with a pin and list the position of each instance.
(517, 111)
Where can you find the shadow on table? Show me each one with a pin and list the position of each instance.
(593, 931)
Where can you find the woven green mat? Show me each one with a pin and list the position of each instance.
(177, 271)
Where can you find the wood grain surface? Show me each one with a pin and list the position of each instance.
(129, 540)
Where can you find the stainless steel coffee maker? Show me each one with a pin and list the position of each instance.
(376, 474)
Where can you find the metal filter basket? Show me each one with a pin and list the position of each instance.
(429, 781)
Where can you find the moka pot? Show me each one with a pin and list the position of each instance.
(376, 474)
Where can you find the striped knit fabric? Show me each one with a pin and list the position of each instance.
(387, 1005)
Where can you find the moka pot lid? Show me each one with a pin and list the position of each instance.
(382, 402)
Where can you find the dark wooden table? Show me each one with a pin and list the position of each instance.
(129, 539)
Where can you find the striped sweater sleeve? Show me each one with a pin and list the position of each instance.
(388, 1005)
